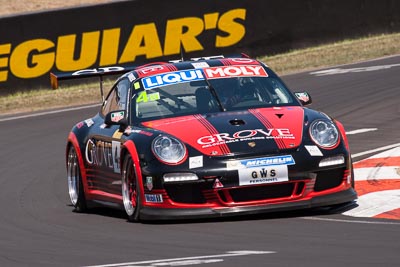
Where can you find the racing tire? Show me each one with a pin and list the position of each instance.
(130, 190)
(75, 184)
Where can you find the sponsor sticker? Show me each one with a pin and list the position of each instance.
(314, 150)
(248, 135)
(261, 162)
(263, 175)
(136, 85)
(89, 122)
(80, 125)
(262, 170)
(103, 154)
(153, 198)
(131, 77)
(172, 78)
(116, 151)
(241, 60)
(302, 96)
(129, 131)
(195, 162)
(99, 70)
(218, 184)
(234, 71)
(117, 134)
(154, 69)
(200, 65)
(117, 116)
(149, 182)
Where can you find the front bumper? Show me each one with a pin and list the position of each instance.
(152, 213)
(219, 191)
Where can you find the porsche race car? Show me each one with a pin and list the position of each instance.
(202, 138)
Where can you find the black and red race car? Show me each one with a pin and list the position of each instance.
(206, 137)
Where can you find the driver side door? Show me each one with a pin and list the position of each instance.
(104, 145)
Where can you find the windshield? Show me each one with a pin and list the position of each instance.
(213, 95)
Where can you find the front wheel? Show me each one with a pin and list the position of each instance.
(130, 189)
(353, 184)
(75, 185)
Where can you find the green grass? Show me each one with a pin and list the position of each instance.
(344, 52)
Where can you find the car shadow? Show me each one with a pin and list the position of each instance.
(322, 211)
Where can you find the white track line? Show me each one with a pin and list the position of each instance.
(47, 113)
(389, 153)
(375, 150)
(361, 131)
(350, 221)
(185, 260)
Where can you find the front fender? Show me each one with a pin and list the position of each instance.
(129, 147)
(343, 133)
(73, 141)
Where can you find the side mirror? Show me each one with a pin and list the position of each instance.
(304, 97)
(116, 118)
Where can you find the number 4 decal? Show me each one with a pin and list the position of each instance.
(116, 151)
(145, 97)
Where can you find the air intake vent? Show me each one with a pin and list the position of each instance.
(237, 122)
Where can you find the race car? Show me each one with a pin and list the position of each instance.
(202, 138)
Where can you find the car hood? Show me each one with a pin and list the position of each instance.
(261, 130)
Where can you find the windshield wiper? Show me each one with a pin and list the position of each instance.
(214, 93)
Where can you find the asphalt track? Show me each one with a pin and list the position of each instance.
(38, 227)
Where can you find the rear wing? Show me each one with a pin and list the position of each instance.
(89, 73)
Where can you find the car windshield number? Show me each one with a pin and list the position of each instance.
(263, 175)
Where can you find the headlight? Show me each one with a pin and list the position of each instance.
(331, 161)
(168, 149)
(324, 133)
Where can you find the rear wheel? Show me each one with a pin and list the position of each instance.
(75, 185)
(130, 189)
